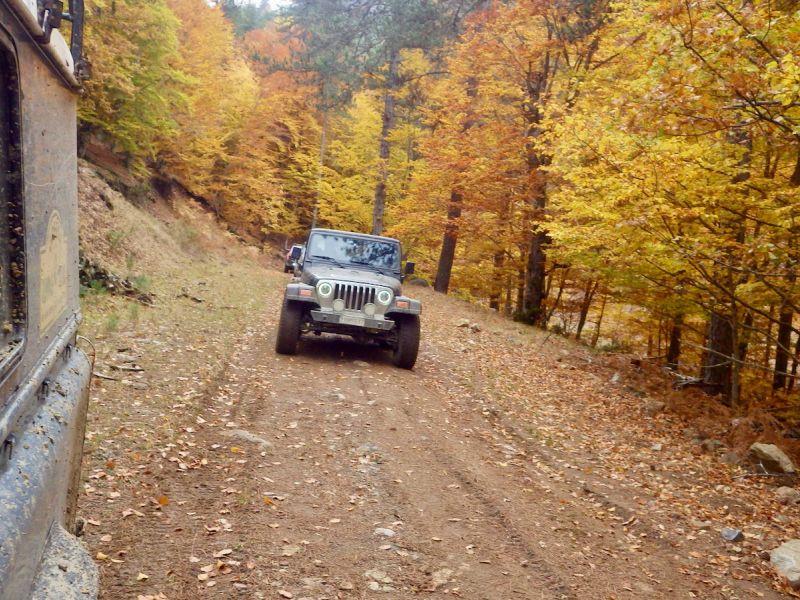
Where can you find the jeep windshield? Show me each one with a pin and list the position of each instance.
(356, 251)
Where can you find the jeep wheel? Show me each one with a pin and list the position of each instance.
(289, 328)
(405, 353)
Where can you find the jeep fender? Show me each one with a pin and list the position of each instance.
(414, 307)
(293, 293)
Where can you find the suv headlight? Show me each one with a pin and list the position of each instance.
(324, 289)
(384, 297)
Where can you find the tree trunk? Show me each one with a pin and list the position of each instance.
(454, 208)
(449, 241)
(722, 364)
(703, 357)
(717, 366)
(782, 347)
(497, 285)
(591, 288)
(533, 312)
(734, 396)
(557, 301)
(520, 294)
(674, 349)
(744, 338)
(768, 337)
(795, 361)
(388, 124)
(659, 335)
(548, 285)
(536, 86)
(794, 180)
(596, 335)
(508, 309)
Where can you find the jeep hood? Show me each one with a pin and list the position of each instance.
(349, 275)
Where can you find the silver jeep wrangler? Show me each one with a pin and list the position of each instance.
(349, 283)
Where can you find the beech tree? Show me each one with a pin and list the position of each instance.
(132, 92)
(352, 43)
(712, 235)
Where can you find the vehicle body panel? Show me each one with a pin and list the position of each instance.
(44, 382)
(350, 324)
(326, 271)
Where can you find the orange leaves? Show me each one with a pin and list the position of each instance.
(211, 62)
(174, 91)
(478, 150)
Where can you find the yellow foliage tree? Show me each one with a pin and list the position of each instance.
(130, 99)
(209, 120)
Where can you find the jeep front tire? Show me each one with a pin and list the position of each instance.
(289, 328)
(408, 333)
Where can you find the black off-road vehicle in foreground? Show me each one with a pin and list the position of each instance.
(350, 284)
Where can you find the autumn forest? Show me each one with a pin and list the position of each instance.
(623, 173)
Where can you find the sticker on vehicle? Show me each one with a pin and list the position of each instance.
(53, 293)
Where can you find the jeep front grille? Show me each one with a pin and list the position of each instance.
(354, 296)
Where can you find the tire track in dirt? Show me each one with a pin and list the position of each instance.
(352, 541)
(497, 531)
(406, 446)
(516, 550)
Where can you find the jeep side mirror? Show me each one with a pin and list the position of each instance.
(410, 268)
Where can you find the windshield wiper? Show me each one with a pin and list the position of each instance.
(333, 260)
(368, 264)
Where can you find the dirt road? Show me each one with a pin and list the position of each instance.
(506, 465)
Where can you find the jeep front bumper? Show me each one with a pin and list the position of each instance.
(347, 320)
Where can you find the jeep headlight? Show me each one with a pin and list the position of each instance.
(384, 297)
(324, 289)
